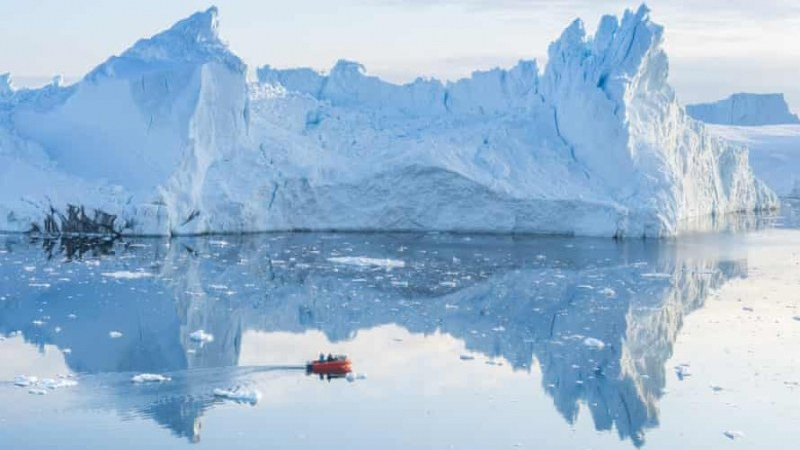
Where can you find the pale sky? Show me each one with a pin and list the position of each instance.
(716, 47)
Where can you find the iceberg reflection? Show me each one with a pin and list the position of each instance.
(598, 317)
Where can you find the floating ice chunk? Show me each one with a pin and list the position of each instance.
(37, 391)
(127, 275)
(72, 316)
(25, 380)
(201, 336)
(656, 275)
(150, 378)
(51, 384)
(608, 292)
(114, 334)
(730, 434)
(683, 371)
(38, 323)
(67, 351)
(594, 343)
(239, 395)
(364, 261)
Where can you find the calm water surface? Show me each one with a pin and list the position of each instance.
(464, 342)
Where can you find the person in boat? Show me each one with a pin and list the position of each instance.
(330, 357)
(321, 357)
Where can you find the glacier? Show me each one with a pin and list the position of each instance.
(172, 138)
(745, 110)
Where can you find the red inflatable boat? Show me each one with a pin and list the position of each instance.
(331, 365)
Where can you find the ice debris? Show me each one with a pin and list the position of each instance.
(363, 261)
(150, 378)
(114, 334)
(239, 395)
(731, 434)
(127, 275)
(594, 343)
(201, 336)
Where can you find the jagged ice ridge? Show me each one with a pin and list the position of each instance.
(170, 138)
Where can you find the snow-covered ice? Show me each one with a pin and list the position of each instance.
(25, 380)
(733, 434)
(594, 343)
(127, 275)
(173, 139)
(364, 261)
(150, 378)
(201, 336)
(114, 334)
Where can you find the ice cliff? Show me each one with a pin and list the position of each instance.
(745, 109)
(169, 138)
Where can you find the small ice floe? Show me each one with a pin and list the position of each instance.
(126, 275)
(52, 384)
(400, 283)
(39, 285)
(594, 343)
(25, 380)
(363, 261)
(29, 268)
(239, 395)
(37, 391)
(683, 371)
(499, 329)
(114, 334)
(731, 434)
(72, 316)
(218, 243)
(608, 292)
(656, 275)
(467, 357)
(38, 323)
(67, 351)
(150, 378)
(218, 287)
(352, 376)
(450, 284)
(201, 336)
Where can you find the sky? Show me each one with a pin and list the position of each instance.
(716, 47)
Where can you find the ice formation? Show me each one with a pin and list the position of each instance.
(745, 109)
(169, 138)
(774, 153)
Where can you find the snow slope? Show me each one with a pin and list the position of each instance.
(171, 139)
(746, 110)
(774, 153)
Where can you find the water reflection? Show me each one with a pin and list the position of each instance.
(597, 317)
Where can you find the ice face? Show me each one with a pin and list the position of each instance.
(745, 109)
(169, 138)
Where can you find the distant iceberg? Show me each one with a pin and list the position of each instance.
(169, 138)
(745, 109)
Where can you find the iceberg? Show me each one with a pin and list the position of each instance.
(170, 138)
(745, 110)
(774, 153)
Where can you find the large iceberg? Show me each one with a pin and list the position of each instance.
(745, 110)
(170, 138)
